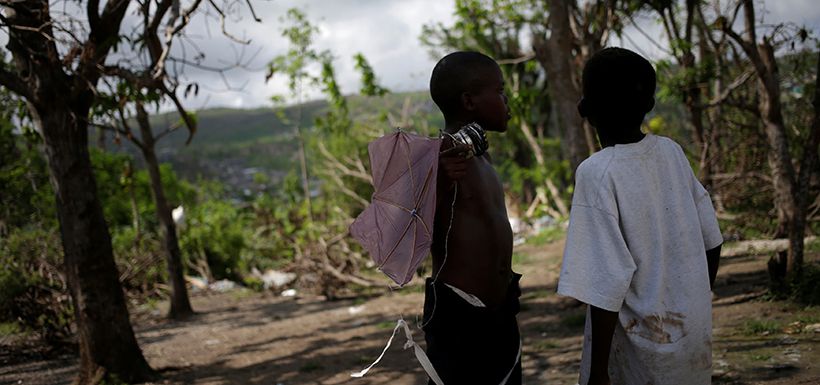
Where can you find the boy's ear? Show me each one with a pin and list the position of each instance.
(467, 101)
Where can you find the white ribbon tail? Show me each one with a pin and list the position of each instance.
(390, 341)
(421, 356)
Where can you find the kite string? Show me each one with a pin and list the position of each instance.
(443, 262)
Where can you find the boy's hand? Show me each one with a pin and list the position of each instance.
(454, 161)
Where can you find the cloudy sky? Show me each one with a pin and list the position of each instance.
(385, 31)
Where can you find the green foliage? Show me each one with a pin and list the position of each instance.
(140, 260)
(547, 235)
(215, 232)
(27, 194)
(33, 292)
(369, 85)
(121, 188)
(805, 288)
(757, 327)
(497, 28)
(294, 64)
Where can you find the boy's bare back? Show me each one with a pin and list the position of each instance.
(479, 245)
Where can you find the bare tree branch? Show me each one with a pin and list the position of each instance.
(745, 76)
(345, 170)
(222, 24)
(92, 11)
(253, 12)
(517, 60)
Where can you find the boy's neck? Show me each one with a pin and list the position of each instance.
(630, 136)
(452, 126)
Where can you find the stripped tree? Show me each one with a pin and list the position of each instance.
(790, 186)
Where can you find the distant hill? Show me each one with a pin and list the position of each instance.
(232, 145)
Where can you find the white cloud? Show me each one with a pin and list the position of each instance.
(385, 31)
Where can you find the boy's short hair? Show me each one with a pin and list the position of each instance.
(618, 76)
(456, 73)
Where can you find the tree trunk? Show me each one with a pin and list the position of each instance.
(780, 163)
(108, 348)
(555, 55)
(808, 164)
(693, 101)
(787, 265)
(59, 104)
(180, 304)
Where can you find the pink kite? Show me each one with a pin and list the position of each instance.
(397, 227)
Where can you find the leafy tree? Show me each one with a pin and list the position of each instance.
(294, 65)
(58, 86)
(58, 61)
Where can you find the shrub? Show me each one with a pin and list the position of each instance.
(33, 291)
(805, 289)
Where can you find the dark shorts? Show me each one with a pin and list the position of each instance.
(472, 345)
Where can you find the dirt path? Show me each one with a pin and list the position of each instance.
(249, 338)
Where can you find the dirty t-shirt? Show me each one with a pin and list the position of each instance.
(639, 229)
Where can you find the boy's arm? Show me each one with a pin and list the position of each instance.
(713, 260)
(452, 164)
(603, 326)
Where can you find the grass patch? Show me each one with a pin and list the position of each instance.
(758, 327)
(540, 293)
(812, 247)
(518, 258)
(242, 293)
(364, 360)
(310, 367)
(386, 325)
(150, 303)
(761, 357)
(254, 283)
(9, 329)
(545, 345)
(409, 289)
(805, 289)
(547, 235)
(574, 321)
(808, 319)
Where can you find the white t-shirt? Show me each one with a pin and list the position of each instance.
(639, 229)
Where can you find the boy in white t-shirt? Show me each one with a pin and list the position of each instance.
(643, 241)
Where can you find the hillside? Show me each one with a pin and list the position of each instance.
(233, 145)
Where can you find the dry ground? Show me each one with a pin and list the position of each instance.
(249, 338)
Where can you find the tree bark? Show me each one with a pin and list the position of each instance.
(780, 162)
(808, 164)
(787, 264)
(555, 55)
(59, 104)
(107, 343)
(180, 304)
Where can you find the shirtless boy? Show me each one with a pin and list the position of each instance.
(471, 301)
